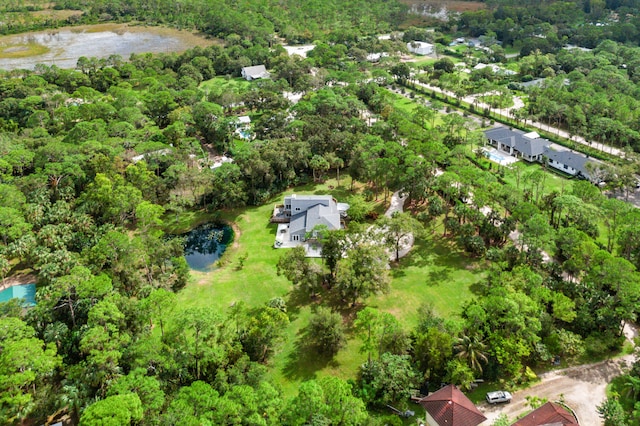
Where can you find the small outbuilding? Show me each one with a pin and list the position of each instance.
(420, 48)
(450, 407)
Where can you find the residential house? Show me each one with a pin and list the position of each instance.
(450, 407)
(538, 82)
(549, 414)
(243, 127)
(496, 69)
(156, 153)
(569, 162)
(255, 73)
(420, 48)
(375, 57)
(305, 213)
(528, 146)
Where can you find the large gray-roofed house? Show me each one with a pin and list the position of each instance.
(255, 72)
(569, 162)
(529, 146)
(306, 212)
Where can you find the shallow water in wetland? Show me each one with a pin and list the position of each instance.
(66, 45)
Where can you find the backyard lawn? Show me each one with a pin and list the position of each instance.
(408, 106)
(433, 273)
(219, 85)
(552, 181)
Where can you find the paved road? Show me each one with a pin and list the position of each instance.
(542, 126)
(396, 204)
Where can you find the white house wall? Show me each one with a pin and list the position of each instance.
(560, 166)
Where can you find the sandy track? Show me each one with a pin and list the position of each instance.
(582, 388)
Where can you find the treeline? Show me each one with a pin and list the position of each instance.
(293, 20)
(78, 211)
(546, 26)
(606, 76)
(106, 339)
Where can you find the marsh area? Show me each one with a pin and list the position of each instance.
(63, 46)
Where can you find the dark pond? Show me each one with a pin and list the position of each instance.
(205, 244)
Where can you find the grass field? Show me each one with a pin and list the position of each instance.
(421, 61)
(552, 182)
(408, 106)
(225, 85)
(433, 273)
(22, 50)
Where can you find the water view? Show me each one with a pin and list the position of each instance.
(62, 47)
(205, 244)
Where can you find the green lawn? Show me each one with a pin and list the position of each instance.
(402, 103)
(408, 105)
(225, 85)
(422, 61)
(509, 50)
(256, 282)
(433, 273)
(553, 181)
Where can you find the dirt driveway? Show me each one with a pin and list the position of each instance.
(582, 388)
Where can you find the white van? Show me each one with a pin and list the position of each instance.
(498, 396)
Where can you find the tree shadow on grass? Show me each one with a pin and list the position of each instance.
(420, 255)
(438, 275)
(397, 271)
(341, 193)
(337, 304)
(305, 361)
(272, 227)
(296, 299)
(478, 288)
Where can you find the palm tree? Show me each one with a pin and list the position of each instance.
(473, 350)
(632, 386)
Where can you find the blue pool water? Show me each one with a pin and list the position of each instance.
(496, 157)
(23, 291)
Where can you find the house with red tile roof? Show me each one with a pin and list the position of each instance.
(549, 414)
(450, 407)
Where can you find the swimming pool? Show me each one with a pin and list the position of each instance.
(495, 157)
(22, 291)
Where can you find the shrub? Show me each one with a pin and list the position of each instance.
(326, 331)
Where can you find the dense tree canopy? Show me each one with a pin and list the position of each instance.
(95, 162)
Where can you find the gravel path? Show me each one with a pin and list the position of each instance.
(397, 205)
(582, 388)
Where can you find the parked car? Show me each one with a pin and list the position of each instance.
(498, 396)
